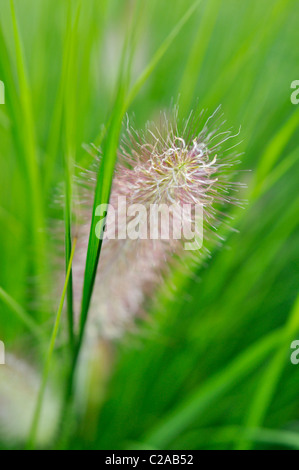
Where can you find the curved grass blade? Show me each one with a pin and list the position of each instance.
(276, 147)
(38, 409)
(228, 434)
(197, 54)
(267, 386)
(159, 54)
(185, 414)
(21, 314)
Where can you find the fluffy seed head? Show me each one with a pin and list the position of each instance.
(172, 163)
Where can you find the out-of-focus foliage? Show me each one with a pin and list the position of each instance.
(213, 368)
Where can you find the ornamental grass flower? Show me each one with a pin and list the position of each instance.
(175, 164)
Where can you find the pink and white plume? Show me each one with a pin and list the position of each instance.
(172, 163)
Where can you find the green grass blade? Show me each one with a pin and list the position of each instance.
(197, 54)
(267, 386)
(30, 146)
(47, 366)
(101, 197)
(184, 415)
(57, 118)
(228, 434)
(159, 54)
(21, 314)
(69, 157)
(276, 174)
(276, 147)
(152, 64)
(256, 40)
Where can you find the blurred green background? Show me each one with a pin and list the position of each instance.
(214, 370)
